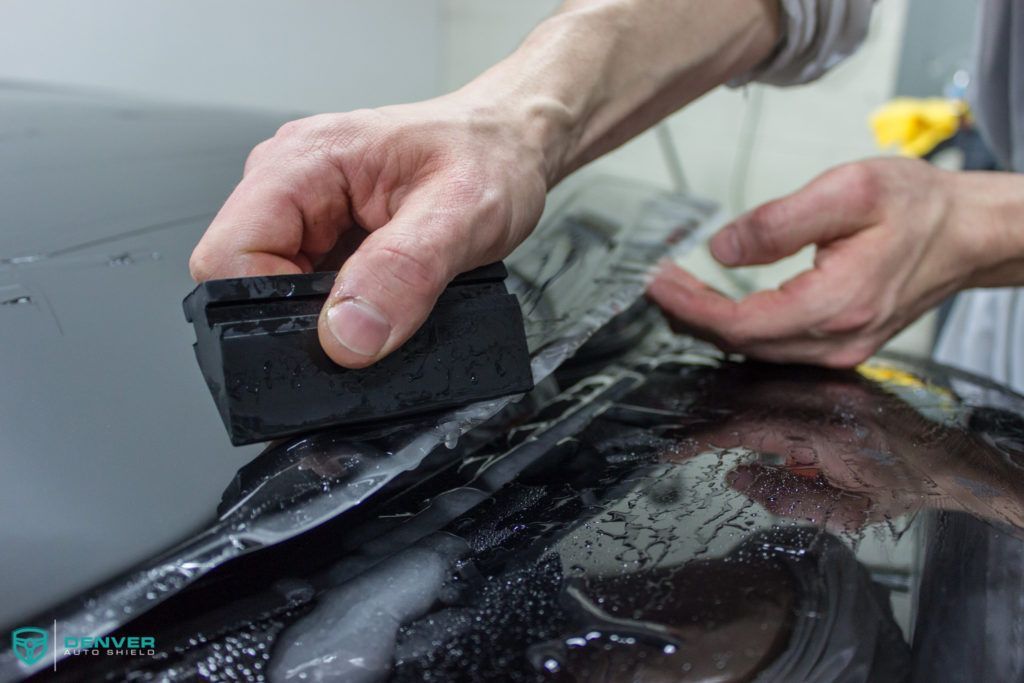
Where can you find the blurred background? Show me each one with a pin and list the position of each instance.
(737, 147)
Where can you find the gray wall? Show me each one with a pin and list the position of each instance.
(295, 55)
(938, 40)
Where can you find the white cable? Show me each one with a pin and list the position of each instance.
(671, 156)
(745, 141)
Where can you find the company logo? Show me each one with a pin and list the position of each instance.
(29, 644)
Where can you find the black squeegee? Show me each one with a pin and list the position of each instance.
(257, 346)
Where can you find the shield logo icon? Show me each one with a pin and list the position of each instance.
(29, 644)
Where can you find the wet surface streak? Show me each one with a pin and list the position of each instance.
(717, 522)
(583, 266)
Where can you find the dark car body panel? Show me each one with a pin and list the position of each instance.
(613, 536)
(102, 200)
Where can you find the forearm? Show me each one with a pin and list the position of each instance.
(601, 71)
(989, 216)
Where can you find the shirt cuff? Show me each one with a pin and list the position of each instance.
(816, 36)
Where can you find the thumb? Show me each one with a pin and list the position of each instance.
(833, 205)
(387, 288)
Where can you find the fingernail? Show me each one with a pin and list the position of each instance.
(725, 246)
(358, 326)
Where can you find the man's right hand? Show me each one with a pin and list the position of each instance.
(453, 183)
(442, 187)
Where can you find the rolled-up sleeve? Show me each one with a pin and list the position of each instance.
(816, 35)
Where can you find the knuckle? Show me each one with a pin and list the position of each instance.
(766, 216)
(200, 266)
(851, 320)
(763, 233)
(257, 153)
(349, 136)
(282, 201)
(321, 130)
(349, 125)
(290, 128)
(860, 183)
(416, 266)
(475, 202)
(492, 209)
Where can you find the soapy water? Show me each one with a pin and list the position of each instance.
(700, 520)
(585, 264)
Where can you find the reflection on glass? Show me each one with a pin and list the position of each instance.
(672, 517)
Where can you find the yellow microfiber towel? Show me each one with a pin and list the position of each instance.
(917, 126)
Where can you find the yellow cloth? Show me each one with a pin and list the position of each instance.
(934, 402)
(917, 126)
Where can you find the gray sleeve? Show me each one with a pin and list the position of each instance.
(816, 35)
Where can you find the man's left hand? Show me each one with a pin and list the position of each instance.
(891, 243)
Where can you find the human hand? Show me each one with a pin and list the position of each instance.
(836, 449)
(441, 187)
(891, 243)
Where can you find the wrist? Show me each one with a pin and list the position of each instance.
(537, 125)
(601, 71)
(987, 218)
(545, 91)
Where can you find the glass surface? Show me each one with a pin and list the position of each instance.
(674, 516)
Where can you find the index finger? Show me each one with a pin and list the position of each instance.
(834, 205)
(278, 220)
(796, 307)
